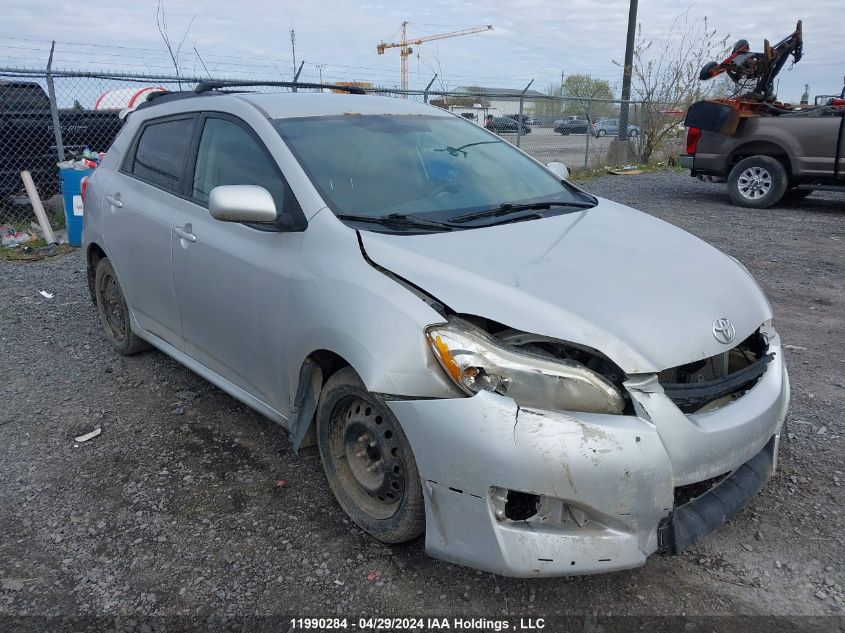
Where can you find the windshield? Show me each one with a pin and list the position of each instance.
(443, 166)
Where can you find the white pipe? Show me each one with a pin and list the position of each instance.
(37, 207)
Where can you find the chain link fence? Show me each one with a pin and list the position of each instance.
(579, 132)
(50, 116)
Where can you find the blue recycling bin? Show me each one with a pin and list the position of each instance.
(71, 180)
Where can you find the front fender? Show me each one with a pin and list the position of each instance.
(341, 303)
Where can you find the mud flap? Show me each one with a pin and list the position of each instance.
(690, 522)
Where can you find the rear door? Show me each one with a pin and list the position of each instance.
(818, 139)
(233, 280)
(138, 210)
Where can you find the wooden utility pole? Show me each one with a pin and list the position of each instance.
(293, 48)
(627, 71)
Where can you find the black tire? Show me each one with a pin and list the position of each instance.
(739, 44)
(368, 461)
(601, 133)
(114, 314)
(757, 182)
(91, 276)
(797, 194)
(633, 133)
(704, 75)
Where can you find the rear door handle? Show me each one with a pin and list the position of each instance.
(114, 200)
(185, 235)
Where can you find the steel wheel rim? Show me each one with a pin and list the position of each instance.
(114, 307)
(754, 183)
(368, 458)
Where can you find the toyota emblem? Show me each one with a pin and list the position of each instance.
(724, 330)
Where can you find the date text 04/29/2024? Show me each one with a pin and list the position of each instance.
(418, 624)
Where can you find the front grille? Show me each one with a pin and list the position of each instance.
(730, 374)
(699, 371)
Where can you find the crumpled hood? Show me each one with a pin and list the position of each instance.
(638, 289)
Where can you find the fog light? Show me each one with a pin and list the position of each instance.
(521, 506)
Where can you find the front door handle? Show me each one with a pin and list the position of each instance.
(185, 234)
(114, 200)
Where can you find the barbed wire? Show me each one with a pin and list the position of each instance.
(156, 59)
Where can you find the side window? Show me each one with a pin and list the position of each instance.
(162, 152)
(229, 155)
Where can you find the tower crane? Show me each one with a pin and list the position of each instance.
(405, 49)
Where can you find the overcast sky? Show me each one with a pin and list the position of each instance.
(536, 39)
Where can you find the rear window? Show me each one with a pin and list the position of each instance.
(162, 152)
(22, 97)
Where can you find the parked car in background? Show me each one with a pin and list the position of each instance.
(504, 124)
(565, 119)
(574, 126)
(423, 309)
(26, 124)
(610, 127)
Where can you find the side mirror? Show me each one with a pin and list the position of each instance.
(559, 169)
(241, 203)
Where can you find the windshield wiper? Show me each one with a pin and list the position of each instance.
(506, 208)
(398, 220)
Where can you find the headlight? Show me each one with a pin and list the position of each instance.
(477, 361)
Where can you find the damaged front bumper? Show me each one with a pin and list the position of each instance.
(601, 488)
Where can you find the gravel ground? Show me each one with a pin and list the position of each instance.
(189, 504)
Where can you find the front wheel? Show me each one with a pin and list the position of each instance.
(368, 460)
(601, 133)
(757, 182)
(633, 133)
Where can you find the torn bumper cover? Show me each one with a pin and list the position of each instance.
(690, 522)
(524, 492)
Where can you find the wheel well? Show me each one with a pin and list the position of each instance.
(316, 369)
(328, 361)
(94, 255)
(761, 148)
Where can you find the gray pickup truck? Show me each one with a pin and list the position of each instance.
(769, 158)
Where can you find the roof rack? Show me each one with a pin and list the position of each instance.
(168, 95)
(208, 86)
(164, 96)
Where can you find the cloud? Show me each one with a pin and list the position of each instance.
(532, 39)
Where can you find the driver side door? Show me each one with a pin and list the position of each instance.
(233, 280)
